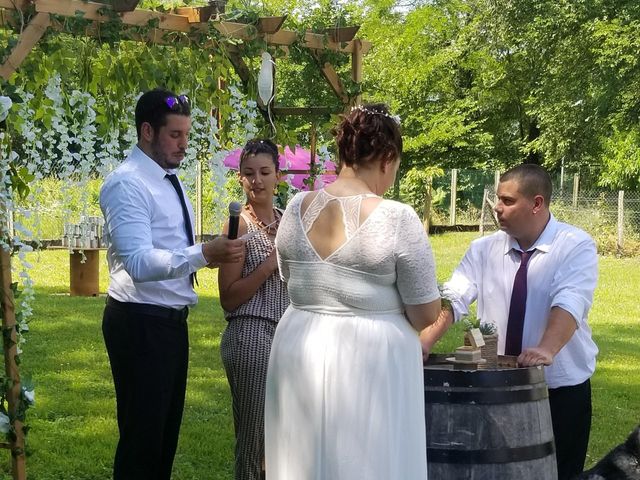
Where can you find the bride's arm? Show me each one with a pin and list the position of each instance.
(423, 315)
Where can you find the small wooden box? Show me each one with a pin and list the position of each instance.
(468, 354)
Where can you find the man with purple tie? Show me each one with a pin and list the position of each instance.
(535, 280)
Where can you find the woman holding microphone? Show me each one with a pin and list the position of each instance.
(253, 298)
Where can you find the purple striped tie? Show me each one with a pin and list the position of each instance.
(517, 307)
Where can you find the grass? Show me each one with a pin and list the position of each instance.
(73, 430)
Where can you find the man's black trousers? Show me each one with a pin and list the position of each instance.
(148, 349)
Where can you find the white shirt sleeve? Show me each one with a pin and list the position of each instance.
(127, 210)
(575, 280)
(462, 290)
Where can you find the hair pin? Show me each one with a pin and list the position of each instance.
(370, 111)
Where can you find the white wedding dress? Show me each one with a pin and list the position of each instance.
(345, 394)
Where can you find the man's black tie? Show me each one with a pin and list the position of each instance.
(517, 308)
(185, 213)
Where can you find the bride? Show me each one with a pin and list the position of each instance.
(345, 396)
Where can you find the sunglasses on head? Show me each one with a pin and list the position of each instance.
(174, 103)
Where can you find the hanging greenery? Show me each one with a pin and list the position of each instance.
(66, 119)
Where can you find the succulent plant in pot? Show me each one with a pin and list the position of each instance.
(490, 336)
(486, 328)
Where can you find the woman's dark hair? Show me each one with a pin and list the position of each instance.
(368, 133)
(256, 146)
(154, 106)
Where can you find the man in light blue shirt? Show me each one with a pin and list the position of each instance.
(153, 259)
(561, 277)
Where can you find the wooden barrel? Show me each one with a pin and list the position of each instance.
(488, 424)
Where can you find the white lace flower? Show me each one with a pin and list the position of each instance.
(5, 423)
(29, 396)
(5, 106)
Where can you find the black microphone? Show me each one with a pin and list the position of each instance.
(234, 220)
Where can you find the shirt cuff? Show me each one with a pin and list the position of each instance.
(196, 257)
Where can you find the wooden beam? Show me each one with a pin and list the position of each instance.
(14, 4)
(330, 74)
(311, 40)
(240, 67)
(356, 65)
(138, 17)
(29, 37)
(181, 23)
(332, 77)
(313, 111)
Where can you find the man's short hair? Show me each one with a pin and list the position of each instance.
(532, 180)
(154, 106)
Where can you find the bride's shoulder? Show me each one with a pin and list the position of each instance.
(297, 198)
(396, 206)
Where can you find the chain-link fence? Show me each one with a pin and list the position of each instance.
(611, 218)
(458, 198)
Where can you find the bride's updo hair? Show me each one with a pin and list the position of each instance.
(367, 134)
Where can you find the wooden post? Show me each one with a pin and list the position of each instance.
(496, 180)
(312, 155)
(18, 466)
(620, 220)
(454, 195)
(576, 188)
(426, 212)
(356, 66)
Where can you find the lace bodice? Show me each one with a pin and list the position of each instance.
(350, 211)
(385, 262)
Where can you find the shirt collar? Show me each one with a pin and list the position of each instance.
(149, 165)
(544, 241)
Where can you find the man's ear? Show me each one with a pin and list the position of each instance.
(538, 203)
(146, 132)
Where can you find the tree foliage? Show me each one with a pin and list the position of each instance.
(477, 83)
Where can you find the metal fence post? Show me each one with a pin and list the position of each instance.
(454, 191)
(620, 220)
(482, 216)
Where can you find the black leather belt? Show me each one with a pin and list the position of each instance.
(149, 309)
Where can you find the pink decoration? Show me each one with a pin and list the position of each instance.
(232, 160)
(290, 160)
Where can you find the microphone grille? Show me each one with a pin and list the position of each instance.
(234, 209)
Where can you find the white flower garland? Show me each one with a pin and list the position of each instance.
(70, 149)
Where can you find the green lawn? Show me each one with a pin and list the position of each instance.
(73, 429)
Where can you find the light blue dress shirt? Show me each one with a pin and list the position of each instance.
(147, 248)
(563, 272)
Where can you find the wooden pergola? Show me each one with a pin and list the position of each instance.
(188, 23)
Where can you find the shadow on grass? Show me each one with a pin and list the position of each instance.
(73, 428)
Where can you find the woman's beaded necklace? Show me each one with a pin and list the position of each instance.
(269, 228)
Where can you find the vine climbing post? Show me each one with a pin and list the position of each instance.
(12, 375)
(11, 387)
